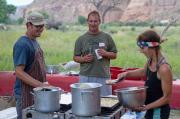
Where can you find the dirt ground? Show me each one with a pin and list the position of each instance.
(6, 101)
(175, 114)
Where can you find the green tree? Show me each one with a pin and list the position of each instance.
(45, 14)
(20, 20)
(5, 10)
(81, 20)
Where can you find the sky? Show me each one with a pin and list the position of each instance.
(19, 2)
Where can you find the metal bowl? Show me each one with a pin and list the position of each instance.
(52, 69)
(132, 96)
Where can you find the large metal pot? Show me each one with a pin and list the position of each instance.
(86, 99)
(132, 96)
(46, 99)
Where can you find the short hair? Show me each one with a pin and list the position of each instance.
(94, 12)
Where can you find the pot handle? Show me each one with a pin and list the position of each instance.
(32, 93)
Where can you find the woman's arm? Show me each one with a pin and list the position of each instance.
(134, 73)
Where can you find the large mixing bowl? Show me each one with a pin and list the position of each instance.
(132, 96)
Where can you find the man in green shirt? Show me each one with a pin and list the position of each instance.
(94, 50)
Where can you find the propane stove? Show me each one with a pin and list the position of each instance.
(106, 113)
(110, 109)
(66, 113)
(31, 113)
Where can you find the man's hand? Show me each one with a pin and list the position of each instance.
(45, 84)
(102, 52)
(106, 54)
(88, 58)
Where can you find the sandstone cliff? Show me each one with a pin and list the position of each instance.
(136, 10)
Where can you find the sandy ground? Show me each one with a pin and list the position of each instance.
(175, 114)
(6, 102)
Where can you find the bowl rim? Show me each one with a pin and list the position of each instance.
(133, 88)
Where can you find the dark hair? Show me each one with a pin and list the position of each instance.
(94, 13)
(149, 36)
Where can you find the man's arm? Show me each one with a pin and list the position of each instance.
(19, 70)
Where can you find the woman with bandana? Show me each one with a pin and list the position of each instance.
(159, 77)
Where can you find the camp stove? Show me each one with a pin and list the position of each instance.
(66, 113)
(106, 113)
(31, 113)
(112, 110)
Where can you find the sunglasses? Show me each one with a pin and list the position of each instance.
(39, 26)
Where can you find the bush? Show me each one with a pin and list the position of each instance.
(45, 14)
(81, 20)
(63, 28)
(103, 26)
(20, 20)
(133, 28)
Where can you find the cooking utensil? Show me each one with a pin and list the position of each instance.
(114, 81)
(86, 99)
(46, 99)
(132, 96)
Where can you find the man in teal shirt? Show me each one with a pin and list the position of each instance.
(94, 50)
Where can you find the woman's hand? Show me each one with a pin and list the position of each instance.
(140, 108)
(122, 75)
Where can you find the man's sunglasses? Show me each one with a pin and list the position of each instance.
(39, 26)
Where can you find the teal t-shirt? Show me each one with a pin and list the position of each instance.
(87, 43)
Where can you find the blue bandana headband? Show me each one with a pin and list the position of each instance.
(143, 44)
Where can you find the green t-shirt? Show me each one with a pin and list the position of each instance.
(86, 44)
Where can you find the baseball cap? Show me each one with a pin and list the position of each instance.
(35, 18)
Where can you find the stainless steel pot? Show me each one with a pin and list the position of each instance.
(132, 96)
(52, 69)
(46, 99)
(86, 99)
